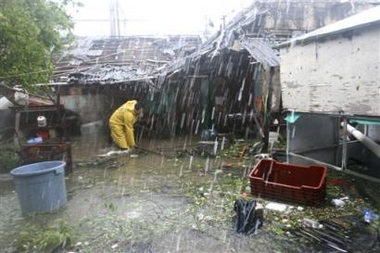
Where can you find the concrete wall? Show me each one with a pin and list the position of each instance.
(285, 18)
(90, 107)
(339, 73)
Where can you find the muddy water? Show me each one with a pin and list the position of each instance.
(142, 203)
(134, 203)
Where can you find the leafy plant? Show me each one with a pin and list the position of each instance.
(32, 33)
(37, 238)
(8, 157)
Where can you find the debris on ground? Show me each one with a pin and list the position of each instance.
(248, 218)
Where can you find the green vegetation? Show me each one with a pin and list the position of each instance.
(38, 238)
(32, 33)
(8, 156)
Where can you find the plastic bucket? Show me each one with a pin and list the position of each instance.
(40, 186)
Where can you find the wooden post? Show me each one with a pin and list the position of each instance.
(268, 110)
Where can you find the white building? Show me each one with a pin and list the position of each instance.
(330, 80)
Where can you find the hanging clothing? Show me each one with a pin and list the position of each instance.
(121, 125)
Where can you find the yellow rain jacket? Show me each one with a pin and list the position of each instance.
(121, 125)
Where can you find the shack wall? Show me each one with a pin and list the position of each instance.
(90, 107)
(337, 74)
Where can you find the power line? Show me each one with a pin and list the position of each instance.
(107, 20)
(24, 74)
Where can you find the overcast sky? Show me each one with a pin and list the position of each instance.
(153, 17)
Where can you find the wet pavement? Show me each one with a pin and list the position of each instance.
(143, 203)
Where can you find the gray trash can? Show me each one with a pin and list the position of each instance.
(40, 186)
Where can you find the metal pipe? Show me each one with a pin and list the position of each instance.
(344, 145)
(373, 179)
(314, 161)
(370, 144)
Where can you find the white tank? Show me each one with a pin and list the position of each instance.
(41, 121)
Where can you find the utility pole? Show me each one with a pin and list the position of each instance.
(114, 18)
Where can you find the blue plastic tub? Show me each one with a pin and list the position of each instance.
(40, 186)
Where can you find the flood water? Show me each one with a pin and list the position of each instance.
(141, 203)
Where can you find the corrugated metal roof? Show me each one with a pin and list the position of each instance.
(262, 52)
(258, 48)
(359, 20)
(109, 60)
(108, 74)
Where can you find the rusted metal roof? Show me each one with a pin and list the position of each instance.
(108, 74)
(361, 19)
(262, 52)
(108, 60)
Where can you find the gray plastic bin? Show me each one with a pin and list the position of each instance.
(40, 186)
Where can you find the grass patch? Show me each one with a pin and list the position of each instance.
(9, 157)
(38, 238)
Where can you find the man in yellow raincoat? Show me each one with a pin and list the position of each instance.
(121, 124)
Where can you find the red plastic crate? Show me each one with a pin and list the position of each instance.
(289, 182)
